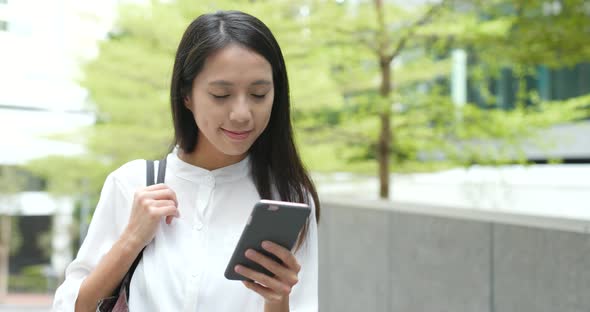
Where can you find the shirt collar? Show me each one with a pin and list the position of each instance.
(194, 173)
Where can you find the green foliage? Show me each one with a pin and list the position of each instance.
(332, 55)
(16, 237)
(11, 181)
(426, 126)
(542, 32)
(30, 280)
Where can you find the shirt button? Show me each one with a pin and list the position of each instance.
(198, 225)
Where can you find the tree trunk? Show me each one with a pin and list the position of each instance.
(384, 145)
(383, 156)
(5, 228)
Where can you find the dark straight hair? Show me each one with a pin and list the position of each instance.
(274, 158)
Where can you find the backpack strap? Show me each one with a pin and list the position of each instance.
(162, 171)
(149, 177)
(149, 172)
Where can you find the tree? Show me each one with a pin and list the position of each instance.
(129, 87)
(368, 80)
(387, 47)
(386, 42)
(11, 182)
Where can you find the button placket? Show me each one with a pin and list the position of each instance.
(194, 271)
(203, 197)
(199, 237)
(209, 180)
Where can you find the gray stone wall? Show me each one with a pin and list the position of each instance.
(395, 260)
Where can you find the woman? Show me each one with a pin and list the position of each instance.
(234, 146)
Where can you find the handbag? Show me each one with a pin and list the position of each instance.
(119, 301)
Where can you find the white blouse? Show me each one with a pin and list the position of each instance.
(182, 268)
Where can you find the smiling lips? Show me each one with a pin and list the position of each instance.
(237, 135)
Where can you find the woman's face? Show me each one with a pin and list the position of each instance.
(231, 100)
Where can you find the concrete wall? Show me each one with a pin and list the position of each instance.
(377, 257)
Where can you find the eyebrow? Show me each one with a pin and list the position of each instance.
(225, 83)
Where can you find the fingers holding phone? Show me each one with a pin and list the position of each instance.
(272, 288)
(263, 259)
(278, 222)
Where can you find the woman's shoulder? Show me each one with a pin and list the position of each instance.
(130, 175)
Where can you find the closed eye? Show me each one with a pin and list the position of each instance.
(259, 96)
(223, 96)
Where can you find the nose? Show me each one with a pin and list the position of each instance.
(240, 111)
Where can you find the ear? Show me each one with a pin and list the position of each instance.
(187, 102)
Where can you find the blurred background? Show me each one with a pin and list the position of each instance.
(449, 140)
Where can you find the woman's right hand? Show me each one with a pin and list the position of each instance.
(150, 204)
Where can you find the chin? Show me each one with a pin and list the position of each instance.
(233, 151)
(233, 148)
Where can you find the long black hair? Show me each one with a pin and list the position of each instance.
(274, 158)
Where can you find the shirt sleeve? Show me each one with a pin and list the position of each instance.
(304, 296)
(103, 231)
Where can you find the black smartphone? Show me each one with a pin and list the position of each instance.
(276, 221)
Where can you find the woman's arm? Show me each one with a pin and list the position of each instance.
(115, 237)
(107, 275)
(150, 205)
(282, 306)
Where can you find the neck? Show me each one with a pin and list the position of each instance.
(209, 161)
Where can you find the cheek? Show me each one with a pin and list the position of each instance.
(263, 115)
(267, 109)
(205, 116)
(203, 123)
(200, 119)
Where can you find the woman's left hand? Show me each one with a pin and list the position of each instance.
(274, 289)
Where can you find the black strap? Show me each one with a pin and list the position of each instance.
(149, 173)
(149, 181)
(161, 170)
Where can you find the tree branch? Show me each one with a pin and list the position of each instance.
(381, 31)
(412, 28)
(356, 34)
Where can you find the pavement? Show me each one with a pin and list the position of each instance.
(26, 303)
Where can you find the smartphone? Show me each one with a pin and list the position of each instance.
(276, 221)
